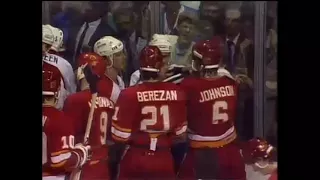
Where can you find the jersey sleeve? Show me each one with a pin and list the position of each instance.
(61, 143)
(63, 94)
(115, 92)
(134, 78)
(126, 111)
(182, 123)
(69, 77)
(72, 108)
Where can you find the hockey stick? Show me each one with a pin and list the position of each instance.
(90, 118)
(75, 174)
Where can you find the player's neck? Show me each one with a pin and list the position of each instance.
(112, 73)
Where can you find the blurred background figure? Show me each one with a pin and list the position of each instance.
(181, 51)
(126, 21)
(211, 19)
(239, 61)
(271, 73)
(69, 17)
(171, 11)
(91, 29)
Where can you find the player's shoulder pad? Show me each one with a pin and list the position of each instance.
(63, 121)
(176, 78)
(187, 81)
(135, 74)
(76, 98)
(129, 92)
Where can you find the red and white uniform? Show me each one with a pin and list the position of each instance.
(59, 154)
(58, 159)
(149, 117)
(212, 111)
(78, 106)
(69, 81)
(110, 89)
(257, 153)
(212, 104)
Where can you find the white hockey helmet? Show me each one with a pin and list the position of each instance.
(172, 39)
(58, 38)
(47, 35)
(162, 42)
(57, 44)
(108, 46)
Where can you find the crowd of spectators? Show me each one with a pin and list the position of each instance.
(84, 22)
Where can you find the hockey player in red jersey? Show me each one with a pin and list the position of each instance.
(59, 154)
(260, 158)
(69, 83)
(110, 89)
(149, 117)
(78, 106)
(212, 100)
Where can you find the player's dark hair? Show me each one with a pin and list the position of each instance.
(211, 71)
(147, 75)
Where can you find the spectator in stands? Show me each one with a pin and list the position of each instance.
(239, 61)
(69, 17)
(131, 37)
(239, 48)
(212, 14)
(171, 9)
(181, 51)
(271, 81)
(92, 29)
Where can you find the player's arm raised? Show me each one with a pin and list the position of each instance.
(64, 154)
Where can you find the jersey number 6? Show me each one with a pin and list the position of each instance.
(217, 115)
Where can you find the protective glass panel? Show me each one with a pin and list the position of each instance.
(232, 21)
